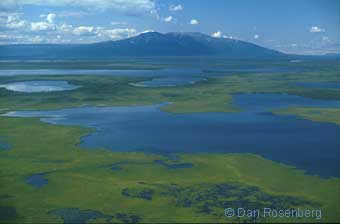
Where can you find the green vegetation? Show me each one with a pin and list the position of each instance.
(331, 115)
(103, 186)
(214, 95)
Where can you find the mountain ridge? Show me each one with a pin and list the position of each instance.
(144, 45)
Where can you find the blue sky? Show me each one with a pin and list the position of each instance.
(292, 26)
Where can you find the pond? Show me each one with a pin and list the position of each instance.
(37, 180)
(308, 145)
(38, 86)
(4, 146)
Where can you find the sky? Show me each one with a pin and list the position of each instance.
(290, 26)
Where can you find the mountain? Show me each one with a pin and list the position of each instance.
(143, 45)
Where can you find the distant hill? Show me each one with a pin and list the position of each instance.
(143, 45)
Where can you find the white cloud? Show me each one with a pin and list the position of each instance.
(256, 36)
(12, 22)
(194, 22)
(12, 18)
(20, 39)
(42, 26)
(84, 30)
(14, 39)
(66, 28)
(66, 33)
(115, 34)
(16, 25)
(37, 39)
(168, 19)
(136, 5)
(228, 37)
(47, 25)
(104, 34)
(51, 17)
(217, 34)
(174, 8)
(316, 29)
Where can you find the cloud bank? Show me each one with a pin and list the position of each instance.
(145, 5)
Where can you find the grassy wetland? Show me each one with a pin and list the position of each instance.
(98, 185)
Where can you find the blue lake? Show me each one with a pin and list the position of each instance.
(308, 145)
(109, 72)
(38, 86)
